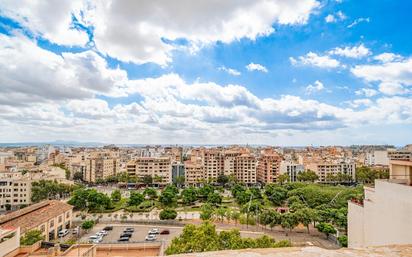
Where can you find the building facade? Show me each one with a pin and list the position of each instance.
(156, 167)
(14, 193)
(292, 169)
(383, 216)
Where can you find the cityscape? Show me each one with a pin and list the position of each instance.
(205, 128)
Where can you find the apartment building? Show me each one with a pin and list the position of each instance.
(383, 216)
(322, 169)
(268, 167)
(14, 193)
(159, 167)
(194, 173)
(292, 169)
(99, 168)
(50, 217)
(213, 163)
(245, 168)
(377, 158)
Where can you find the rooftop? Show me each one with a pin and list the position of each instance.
(34, 215)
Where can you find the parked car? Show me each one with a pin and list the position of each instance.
(108, 228)
(93, 237)
(97, 240)
(129, 229)
(151, 237)
(102, 233)
(63, 232)
(165, 232)
(123, 239)
(153, 231)
(126, 235)
(76, 231)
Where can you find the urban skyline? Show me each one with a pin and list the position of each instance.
(262, 72)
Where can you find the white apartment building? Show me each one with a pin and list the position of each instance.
(292, 169)
(383, 218)
(377, 157)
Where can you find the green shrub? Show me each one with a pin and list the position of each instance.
(168, 214)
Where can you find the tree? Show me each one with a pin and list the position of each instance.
(221, 213)
(306, 216)
(235, 215)
(289, 221)
(135, 198)
(116, 196)
(31, 237)
(78, 176)
(46, 189)
(189, 195)
(147, 180)
(157, 179)
(222, 179)
(205, 190)
(307, 176)
(167, 198)
(276, 194)
(206, 211)
(168, 214)
(343, 240)
(270, 217)
(150, 192)
(180, 180)
(87, 224)
(283, 178)
(214, 198)
(326, 228)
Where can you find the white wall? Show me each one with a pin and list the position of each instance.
(386, 218)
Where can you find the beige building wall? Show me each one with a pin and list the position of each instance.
(194, 173)
(384, 218)
(151, 166)
(9, 241)
(14, 192)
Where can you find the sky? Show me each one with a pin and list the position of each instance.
(273, 72)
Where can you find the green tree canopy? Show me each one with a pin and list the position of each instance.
(189, 195)
(116, 195)
(135, 198)
(31, 237)
(168, 214)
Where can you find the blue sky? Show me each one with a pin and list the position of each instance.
(259, 72)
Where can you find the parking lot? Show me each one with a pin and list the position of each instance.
(141, 231)
(139, 234)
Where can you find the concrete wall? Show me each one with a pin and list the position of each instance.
(10, 244)
(386, 216)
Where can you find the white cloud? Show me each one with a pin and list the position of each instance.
(360, 102)
(314, 59)
(256, 67)
(230, 71)
(357, 21)
(51, 20)
(339, 16)
(134, 31)
(389, 88)
(351, 52)
(366, 92)
(394, 72)
(388, 57)
(316, 87)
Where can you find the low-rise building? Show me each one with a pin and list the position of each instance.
(9, 240)
(50, 217)
(377, 158)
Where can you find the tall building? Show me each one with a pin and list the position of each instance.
(101, 167)
(383, 217)
(245, 168)
(268, 167)
(194, 173)
(156, 167)
(213, 163)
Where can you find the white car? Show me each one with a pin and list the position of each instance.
(94, 237)
(101, 233)
(154, 231)
(63, 232)
(97, 240)
(150, 237)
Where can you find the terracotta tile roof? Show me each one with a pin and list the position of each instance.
(34, 215)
